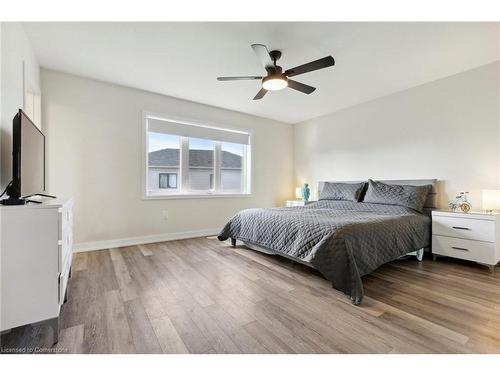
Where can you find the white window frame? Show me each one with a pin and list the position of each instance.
(182, 180)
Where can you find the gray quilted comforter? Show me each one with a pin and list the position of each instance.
(343, 240)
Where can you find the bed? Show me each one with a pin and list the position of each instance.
(343, 240)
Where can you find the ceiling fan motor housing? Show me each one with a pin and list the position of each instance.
(275, 55)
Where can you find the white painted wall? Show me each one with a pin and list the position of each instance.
(16, 49)
(93, 132)
(1, 27)
(447, 129)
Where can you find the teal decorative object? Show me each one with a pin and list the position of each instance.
(306, 192)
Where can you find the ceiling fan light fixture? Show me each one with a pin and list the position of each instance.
(276, 79)
(274, 82)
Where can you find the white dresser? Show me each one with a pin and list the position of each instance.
(471, 236)
(36, 254)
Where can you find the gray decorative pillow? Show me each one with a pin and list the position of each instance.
(340, 191)
(399, 195)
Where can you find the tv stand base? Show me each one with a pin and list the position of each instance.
(13, 201)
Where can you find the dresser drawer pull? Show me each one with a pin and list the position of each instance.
(459, 248)
(462, 228)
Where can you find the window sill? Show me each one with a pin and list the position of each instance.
(197, 196)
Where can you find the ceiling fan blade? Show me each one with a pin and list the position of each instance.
(260, 94)
(325, 62)
(263, 55)
(306, 89)
(242, 78)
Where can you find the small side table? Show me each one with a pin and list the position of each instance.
(297, 203)
(473, 236)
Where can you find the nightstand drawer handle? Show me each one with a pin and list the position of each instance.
(459, 248)
(463, 228)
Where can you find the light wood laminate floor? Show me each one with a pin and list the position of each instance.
(203, 296)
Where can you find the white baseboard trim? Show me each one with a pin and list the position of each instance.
(131, 241)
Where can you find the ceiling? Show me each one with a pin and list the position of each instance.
(184, 59)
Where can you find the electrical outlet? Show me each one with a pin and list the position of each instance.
(164, 214)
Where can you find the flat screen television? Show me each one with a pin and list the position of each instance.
(28, 159)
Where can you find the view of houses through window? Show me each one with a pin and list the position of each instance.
(212, 166)
(164, 161)
(231, 166)
(167, 180)
(201, 164)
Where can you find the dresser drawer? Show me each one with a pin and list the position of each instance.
(65, 233)
(65, 248)
(65, 218)
(471, 229)
(478, 251)
(62, 284)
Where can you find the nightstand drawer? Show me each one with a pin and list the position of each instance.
(471, 229)
(483, 252)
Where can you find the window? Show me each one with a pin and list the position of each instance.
(187, 159)
(232, 177)
(167, 181)
(164, 155)
(201, 164)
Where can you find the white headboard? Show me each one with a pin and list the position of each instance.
(432, 198)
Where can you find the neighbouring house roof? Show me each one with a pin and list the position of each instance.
(169, 157)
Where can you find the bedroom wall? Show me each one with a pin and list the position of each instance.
(16, 49)
(447, 129)
(93, 132)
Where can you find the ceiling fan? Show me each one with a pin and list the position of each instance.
(277, 80)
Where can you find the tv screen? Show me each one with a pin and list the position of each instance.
(28, 156)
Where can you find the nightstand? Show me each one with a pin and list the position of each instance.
(472, 236)
(297, 203)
